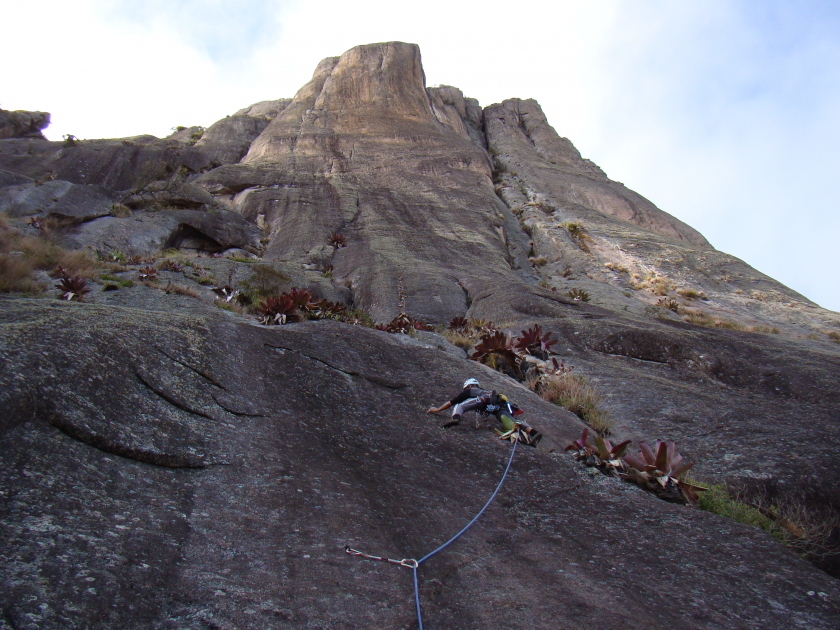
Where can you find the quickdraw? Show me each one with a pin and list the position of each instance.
(411, 563)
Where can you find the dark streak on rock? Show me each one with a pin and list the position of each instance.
(8, 621)
(373, 379)
(627, 356)
(170, 400)
(189, 367)
(236, 413)
(112, 447)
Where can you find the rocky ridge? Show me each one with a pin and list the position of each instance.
(250, 456)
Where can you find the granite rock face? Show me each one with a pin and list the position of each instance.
(551, 169)
(165, 463)
(360, 151)
(225, 496)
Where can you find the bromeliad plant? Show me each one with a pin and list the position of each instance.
(73, 288)
(276, 310)
(302, 299)
(496, 345)
(459, 324)
(171, 265)
(337, 240)
(659, 469)
(578, 294)
(670, 303)
(401, 324)
(296, 305)
(225, 293)
(324, 309)
(534, 342)
(148, 273)
(599, 452)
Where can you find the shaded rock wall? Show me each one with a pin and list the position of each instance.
(225, 496)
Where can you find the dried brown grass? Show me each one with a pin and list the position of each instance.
(181, 289)
(459, 339)
(575, 393)
(17, 275)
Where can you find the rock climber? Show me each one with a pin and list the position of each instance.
(473, 398)
(467, 400)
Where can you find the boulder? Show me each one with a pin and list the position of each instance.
(146, 232)
(227, 141)
(265, 109)
(22, 124)
(59, 199)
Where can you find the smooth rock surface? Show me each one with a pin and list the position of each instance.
(226, 496)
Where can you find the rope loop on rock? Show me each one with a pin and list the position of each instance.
(413, 564)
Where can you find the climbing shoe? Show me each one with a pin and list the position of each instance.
(456, 419)
(534, 437)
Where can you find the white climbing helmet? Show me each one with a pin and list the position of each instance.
(470, 381)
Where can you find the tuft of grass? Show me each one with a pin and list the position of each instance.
(698, 318)
(78, 263)
(834, 336)
(729, 323)
(180, 289)
(196, 135)
(718, 500)
(22, 255)
(120, 211)
(265, 281)
(578, 234)
(616, 267)
(207, 279)
(16, 276)
(659, 285)
(764, 329)
(233, 307)
(803, 530)
(689, 294)
(458, 339)
(575, 393)
(360, 318)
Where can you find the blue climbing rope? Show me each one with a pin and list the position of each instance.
(409, 562)
(455, 537)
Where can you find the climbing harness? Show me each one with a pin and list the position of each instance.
(412, 563)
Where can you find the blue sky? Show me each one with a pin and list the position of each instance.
(723, 113)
